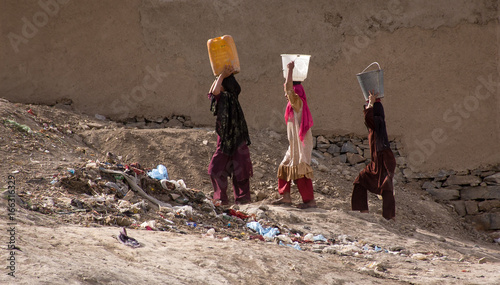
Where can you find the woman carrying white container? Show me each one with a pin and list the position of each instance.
(296, 165)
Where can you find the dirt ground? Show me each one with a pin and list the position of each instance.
(65, 222)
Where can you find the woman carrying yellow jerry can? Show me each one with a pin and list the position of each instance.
(232, 155)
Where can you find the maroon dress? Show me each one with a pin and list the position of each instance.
(232, 156)
(377, 176)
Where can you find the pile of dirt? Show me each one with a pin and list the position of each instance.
(75, 169)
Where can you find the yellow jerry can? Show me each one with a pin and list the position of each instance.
(222, 51)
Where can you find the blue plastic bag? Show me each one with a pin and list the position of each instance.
(266, 232)
(160, 172)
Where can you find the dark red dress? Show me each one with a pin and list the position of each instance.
(377, 176)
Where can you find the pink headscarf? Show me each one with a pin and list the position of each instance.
(307, 121)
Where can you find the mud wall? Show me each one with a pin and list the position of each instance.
(126, 58)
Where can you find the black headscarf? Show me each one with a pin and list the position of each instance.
(382, 141)
(231, 85)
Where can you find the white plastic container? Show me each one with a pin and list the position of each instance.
(301, 65)
(371, 81)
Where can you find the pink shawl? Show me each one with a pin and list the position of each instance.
(307, 121)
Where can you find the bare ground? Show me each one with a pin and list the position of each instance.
(60, 241)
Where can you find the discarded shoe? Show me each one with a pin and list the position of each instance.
(126, 240)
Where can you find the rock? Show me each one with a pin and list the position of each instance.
(348, 147)
(459, 207)
(323, 168)
(359, 150)
(317, 154)
(174, 123)
(393, 145)
(495, 221)
(367, 153)
(189, 124)
(358, 167)
(488, 205)
(431, 185)
(400, 160)
(396, 248)
(444, 194)
(493, 179)
(258, 175)
(333, 149)
(261, 195)
(462, 180)
(428, 185)
(323, 146)
(96, 125)
(480, 193)
(398, 176)
(471, 207)
(340, 159)
(354, 158)
(322, 140)
(486, 173)
(264, 207)
(442, 175)
(364, 146)
(409, 174)
(480, 222)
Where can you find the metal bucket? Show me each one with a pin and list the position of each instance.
(371, 81)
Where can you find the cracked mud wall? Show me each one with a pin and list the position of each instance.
(149, 58)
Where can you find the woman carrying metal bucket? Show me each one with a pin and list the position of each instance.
(377, 176)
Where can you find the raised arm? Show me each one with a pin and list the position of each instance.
(371, 99)
(217, 86)
(289, 80)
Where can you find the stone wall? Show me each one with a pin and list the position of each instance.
(474, 194)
